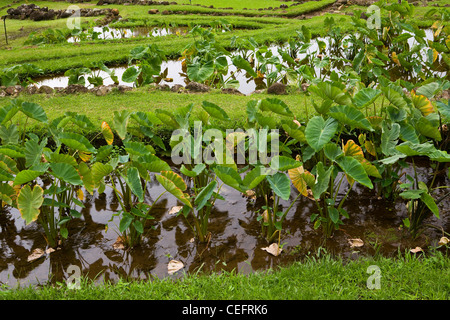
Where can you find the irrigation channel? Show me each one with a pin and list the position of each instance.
(173, 72)
(236, 243)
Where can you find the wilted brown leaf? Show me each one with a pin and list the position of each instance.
(119, 244)
(174, 266)
(443, 241)
(36, 254)
(416, 249)
(273, 249)
(355, 243)
(175, 210)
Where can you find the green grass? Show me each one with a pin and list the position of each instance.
(316, 277)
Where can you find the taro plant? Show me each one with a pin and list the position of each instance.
(19, 74)
(148, 60)
(128, 174)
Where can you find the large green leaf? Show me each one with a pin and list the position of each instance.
(426, 128)
(430, 203)
(319, 132)
(253, 178)
(283, 163)
(99, 171)
(322, 180)
(243, 64)
(275, 105)
(394, 97)
(366, 96)
(198, 168)
(34, 111)
(215, 111)
(355, 170)
(130, 75)
(389, 139)
(176, 179)
(326, 90)
(29, 202)
(76, 141)
(230, 177)
(33, 151)
(204, 195)
(120, 122)
(86, 176)
(66, 173)
(200, 72)
(25, 176)
(134, 181)
(174, 190)
(350, 116)
(153, 164)
(280, 184)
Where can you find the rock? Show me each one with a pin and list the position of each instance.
(164, 87)
(177, 88)
(45, 89)
(232, 91)
(122, 88)
(32, 89)
(13, 90)
(101, 90)
(277, 88)
(75, 88)
(153, 11)
(197, 87)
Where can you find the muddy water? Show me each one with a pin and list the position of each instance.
(235, 237)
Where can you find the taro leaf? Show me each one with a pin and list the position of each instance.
(283, 163)
(243, 64)
(350, 116)
(107, 133)
(167, 118)
(253, 178)
(430, 203)
(198, 72)
(351, 149)
(322, 180)
(334, 214)
(76, 141)
(412, 149)
(103, 152)
(319, 132)
(86, 176)
(99, 171)
(29, 202)
(389, 139)
(10, 134)
(426, 128)
(33, 151)
(130, 75)
(394, 98)
(301, 178)
(194, 172)
(355, 170)
(215, 111)
(6, 193)
(276, 106)
(412, 194)
(422, 103)
(444, 109)
(34, 111)
(170, 186)
(12, 151)
(66, 173)
(9, 111)
(175, 178)
(230, 177)
(326, 91)
(366, 96)
(25, 176)
(153, 164)
(332, 151)
(137, 148)
(293, 131)
(428, 90)
(138, 226)
(280, 184)
(120, 121)
(204, 195)
(125, 222)
(134, 181)
(408, 133)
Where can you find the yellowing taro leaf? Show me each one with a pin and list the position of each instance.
(395, 58)
(29, 202)
(355, 243)
(422, 103)
(375, 121)
(107, 133)
(299, 178)
(80, 194)
(85, 156)
(370, 147)
(435, 55)
(174, 266)
(351, 149)
(273, 249)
